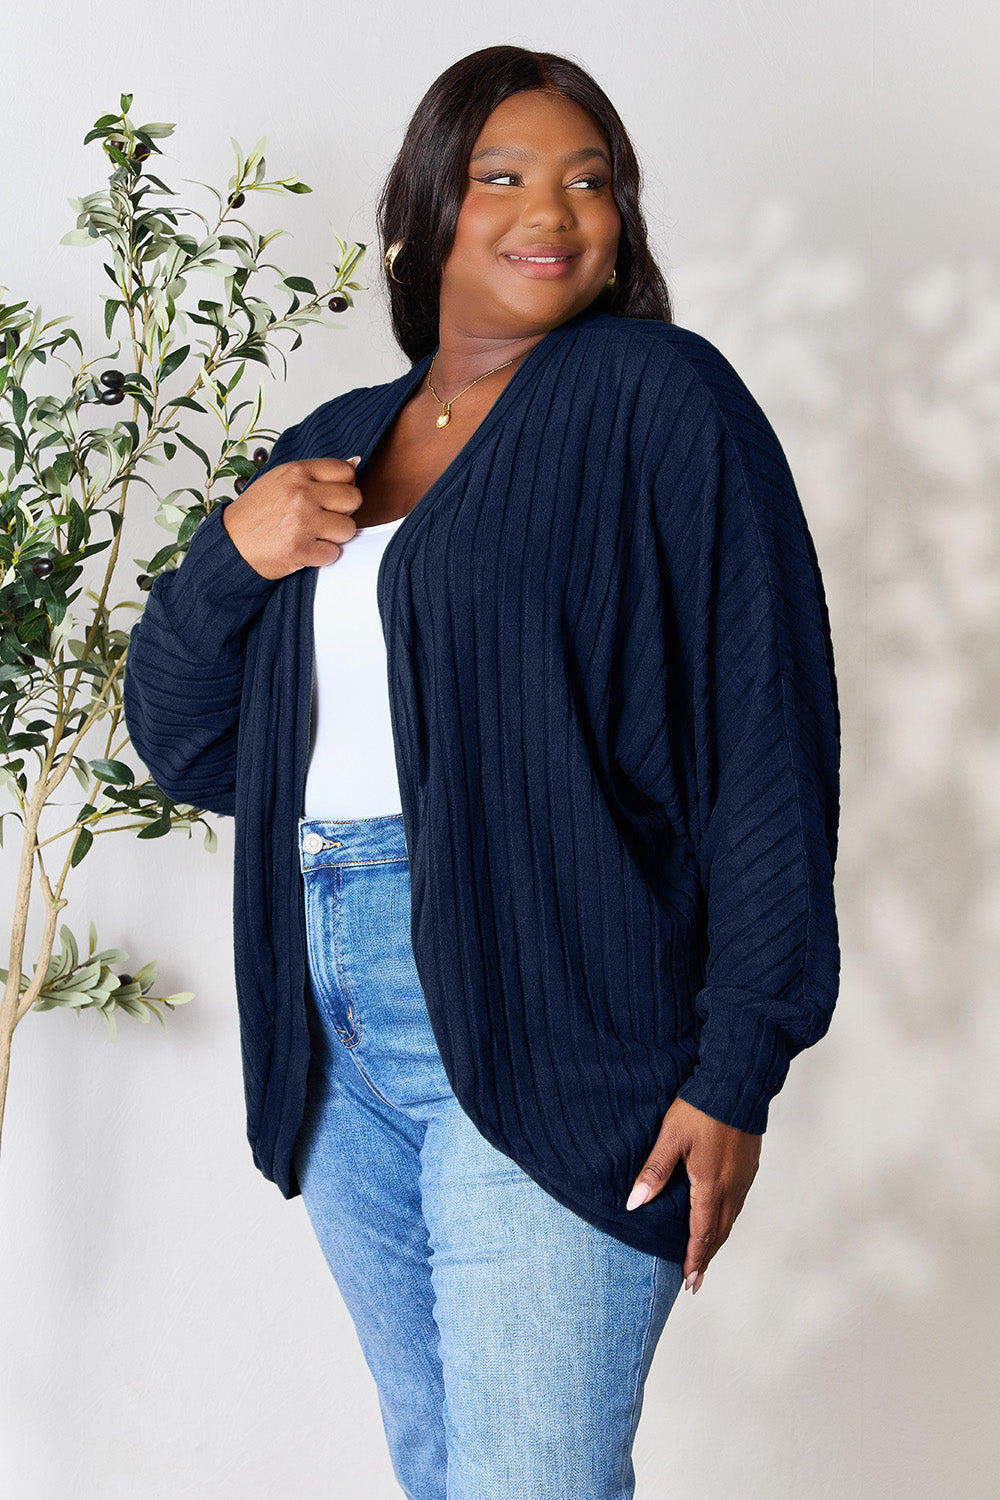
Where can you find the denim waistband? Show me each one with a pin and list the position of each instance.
(351, 841)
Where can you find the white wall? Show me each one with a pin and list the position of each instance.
(822, 201)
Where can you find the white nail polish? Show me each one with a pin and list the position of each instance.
(638, 1195)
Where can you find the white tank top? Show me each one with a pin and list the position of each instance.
(352, 762)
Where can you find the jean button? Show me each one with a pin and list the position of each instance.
(312, 843)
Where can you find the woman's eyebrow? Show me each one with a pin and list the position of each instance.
(586, 153)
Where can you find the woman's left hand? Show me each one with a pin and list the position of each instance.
(721, 1163)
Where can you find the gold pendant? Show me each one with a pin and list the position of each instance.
(445, 417)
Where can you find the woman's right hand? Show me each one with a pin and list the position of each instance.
(296, 515)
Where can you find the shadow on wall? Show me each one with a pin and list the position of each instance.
(882, 1166)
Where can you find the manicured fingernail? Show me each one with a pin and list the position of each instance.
(689, 1283)
(355, 460)
(698, 1281)
(638, 1195)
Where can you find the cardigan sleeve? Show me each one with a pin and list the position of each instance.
(184, 670)
(762, 731)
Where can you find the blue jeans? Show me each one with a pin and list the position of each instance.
(509, 1339)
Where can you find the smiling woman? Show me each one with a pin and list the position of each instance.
(533, 246)
(536, 238)
(462, 114)
(527, 716)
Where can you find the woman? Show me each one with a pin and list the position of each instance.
(527, 716)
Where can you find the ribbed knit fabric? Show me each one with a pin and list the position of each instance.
(615, 721)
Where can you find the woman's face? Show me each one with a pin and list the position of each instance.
(540, 187)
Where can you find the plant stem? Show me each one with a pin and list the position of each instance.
(13, 1006)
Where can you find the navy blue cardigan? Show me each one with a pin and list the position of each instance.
(616, 729)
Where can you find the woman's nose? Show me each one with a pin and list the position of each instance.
(547, 209)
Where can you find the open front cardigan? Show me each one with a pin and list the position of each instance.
(616, 728)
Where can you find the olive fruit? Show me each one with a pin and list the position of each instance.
(113, 379)
(139, 154)
(338, 304)
(9, 333)
(260, 456)
(42, 567)
(237, 200)
(124, 979)
(144, 582)
(241, 484)
(111, 398)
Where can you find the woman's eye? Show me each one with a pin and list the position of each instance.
(588, 181)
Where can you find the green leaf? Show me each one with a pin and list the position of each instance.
(69, 947)
(195, 449)
(164, 555)
(185, 401)
(112, 770)
(111, 307)
(155, 830)
(172, 361)
(80, 237)
(106, 955)
(70, 998)
(80, 978)
(234, 383)
(190, 525)
(211, 839)
(134, 1008)
(19, 403)
(80, 666)
(251, 351)
(236, 464)
(301, 284)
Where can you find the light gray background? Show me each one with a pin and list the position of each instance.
(823, 201)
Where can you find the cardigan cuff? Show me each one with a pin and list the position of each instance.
(215, 592)
(744, 1058)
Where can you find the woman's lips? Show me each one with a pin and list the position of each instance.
(542, 267)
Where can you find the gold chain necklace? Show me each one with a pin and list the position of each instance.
(446, 406)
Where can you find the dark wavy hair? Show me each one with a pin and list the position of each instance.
(427, 183)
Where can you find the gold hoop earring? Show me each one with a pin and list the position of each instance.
(611, 282)
(390, 259)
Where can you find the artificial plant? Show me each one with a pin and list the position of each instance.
(66, 476)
